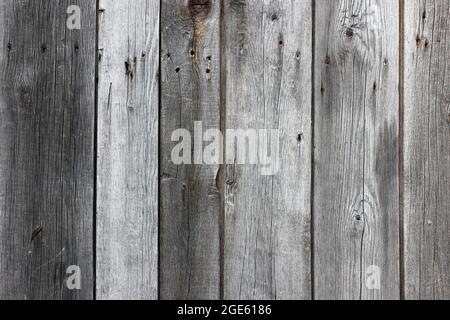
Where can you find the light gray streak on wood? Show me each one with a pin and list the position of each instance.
(427, 149)
(268, 86)
(356, 199)
(127, 178)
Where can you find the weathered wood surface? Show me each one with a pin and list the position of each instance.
(46, 149)
(190, 201)
(427, 149)
(127, 179)
(267, 78)
(356, 176)
(358, 89)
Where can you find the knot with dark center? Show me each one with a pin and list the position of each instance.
(199, 8)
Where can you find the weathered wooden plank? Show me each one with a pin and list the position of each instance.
(190, 198)
(268, 61)
(46, 149)
(128, 112)
(427, 149)
(356, 176)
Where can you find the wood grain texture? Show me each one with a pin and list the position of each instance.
(268, 64)
(427, 149)
(46, 149)
(190, 198)
(356, 176)
(127, 179)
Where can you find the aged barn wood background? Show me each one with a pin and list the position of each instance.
(360, 93)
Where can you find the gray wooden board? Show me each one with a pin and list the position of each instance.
(190, 198)
(267, 64)
(47, 107)
(127, 165)
(356, 176)
(427, 149)
(378, 156)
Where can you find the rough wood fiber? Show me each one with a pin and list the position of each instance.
(46, 149)
(427, 149)
(127, 205)
(268, 86)
(356, 176)
(190, 198)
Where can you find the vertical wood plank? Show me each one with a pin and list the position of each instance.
(267, 52)
(427, 149)
(356, 203)
(127, 189)
(46, 149)
(190, 198)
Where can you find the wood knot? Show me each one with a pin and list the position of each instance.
(349, 32)
(199, 8)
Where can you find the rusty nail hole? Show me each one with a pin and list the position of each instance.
(199, 8)
(349, 32)
(208, 70)
(418, 41)
(280, 44)
(36, 233)
(177, 69)
(327, 60)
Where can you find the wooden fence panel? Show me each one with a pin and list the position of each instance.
(127, 173)
(267, 77)
(427, 149)
(344, 106)
(190, 198)
(47, 109)
(356, 176)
